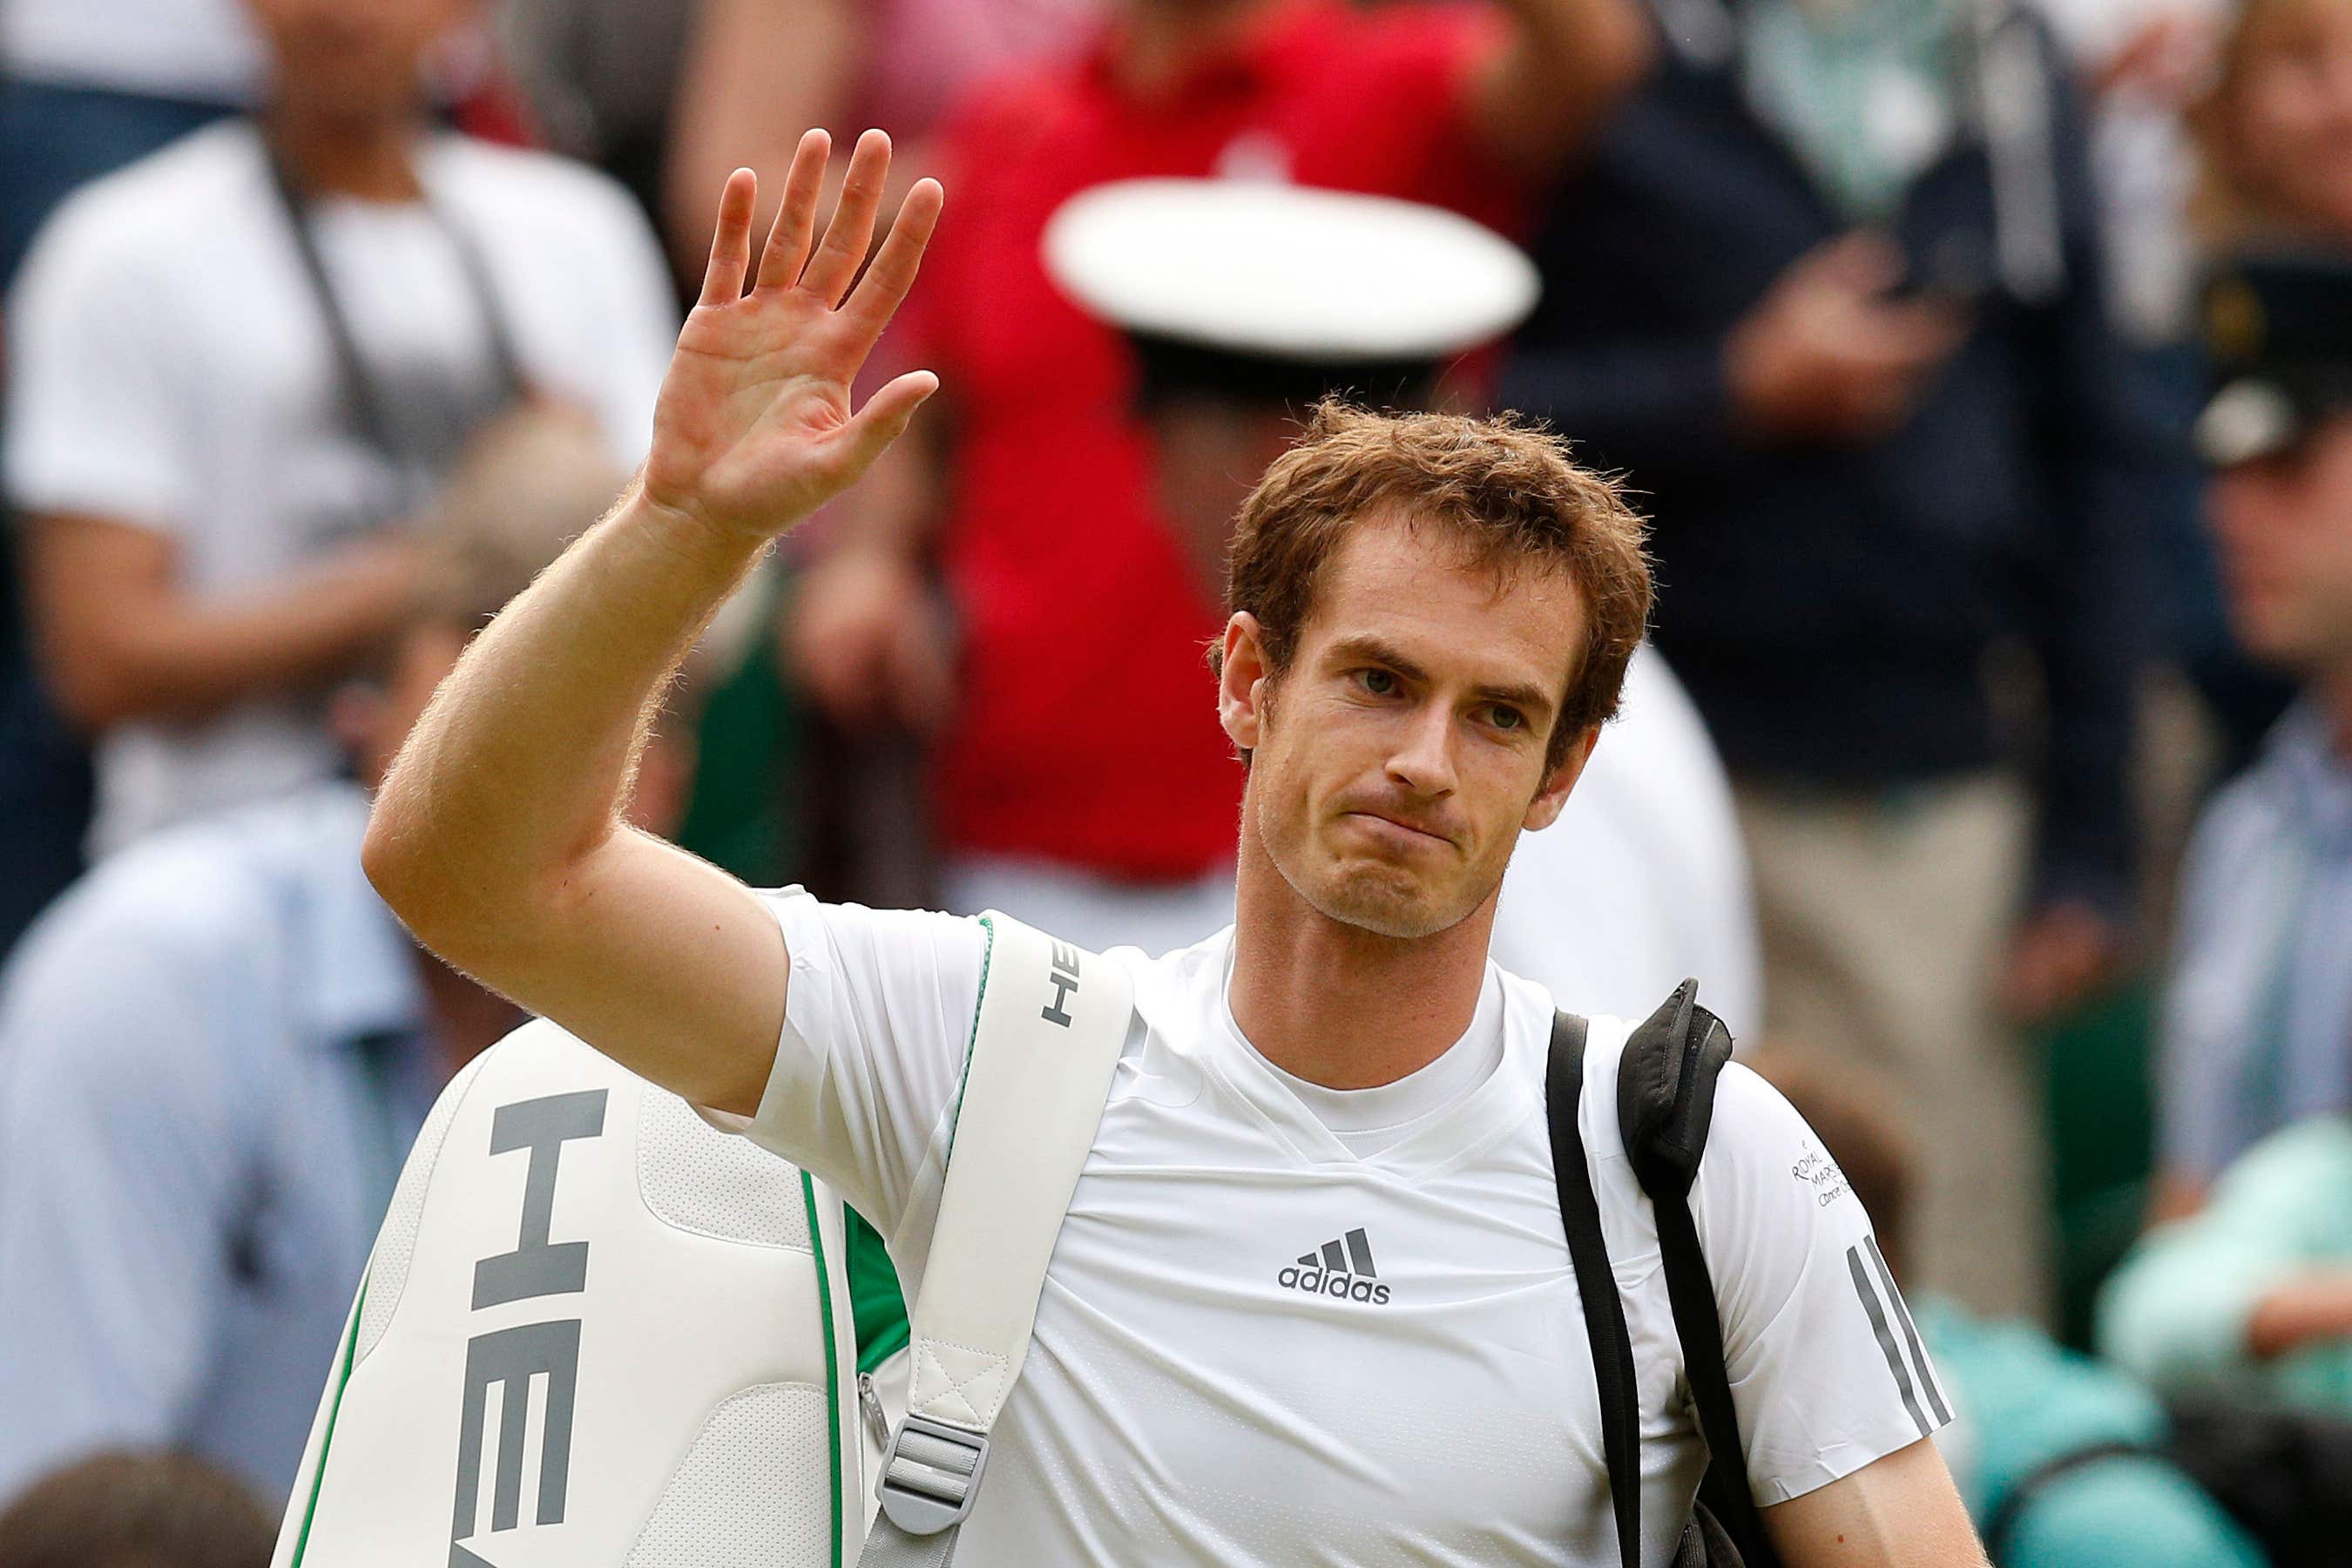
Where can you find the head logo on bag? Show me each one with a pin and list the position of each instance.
(590, 1316)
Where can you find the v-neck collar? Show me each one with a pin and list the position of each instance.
(1437, 1138)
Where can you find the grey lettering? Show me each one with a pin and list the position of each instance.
(1063, 979)
(510, 1358)
(536, 1267)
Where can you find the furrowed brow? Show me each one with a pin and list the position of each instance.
(1535, 703)
(1362, 650)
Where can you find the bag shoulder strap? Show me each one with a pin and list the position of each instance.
(1052, 1022)
(1665, 1107)
(1596, 1284)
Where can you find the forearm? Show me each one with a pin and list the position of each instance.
(757, 73)
(164, 653)
(2314, 1308)
(521, 765)
(1565, 68)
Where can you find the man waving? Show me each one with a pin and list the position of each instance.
(1430, 620)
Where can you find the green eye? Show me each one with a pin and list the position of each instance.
(1508, 718)
(1379, 682)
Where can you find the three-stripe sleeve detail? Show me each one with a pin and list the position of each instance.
(1894, 1362)
(1910, 1333)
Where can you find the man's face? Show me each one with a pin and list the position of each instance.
(354, 58)
(1397, 760)
(2285, 525)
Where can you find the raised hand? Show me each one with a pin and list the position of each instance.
(754, 429)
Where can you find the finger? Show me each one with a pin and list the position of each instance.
(884, 419)
(795, 226)
(731, 245)
(851, 231)
(884, 288)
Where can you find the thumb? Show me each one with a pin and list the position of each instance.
(884, 419)
(1861, 263)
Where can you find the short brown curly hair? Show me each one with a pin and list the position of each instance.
(1507, 486)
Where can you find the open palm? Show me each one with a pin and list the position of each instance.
(754, 430)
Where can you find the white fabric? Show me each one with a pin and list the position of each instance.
(1183, 1405)
(1642, 883)
(1095, 911)
(1051, 1028)
(202, 49)
(169, 369)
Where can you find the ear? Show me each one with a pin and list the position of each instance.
(1545, 809)
(1241, 682)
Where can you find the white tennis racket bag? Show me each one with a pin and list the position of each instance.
(596, 1331)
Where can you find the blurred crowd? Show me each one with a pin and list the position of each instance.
(1986, 369)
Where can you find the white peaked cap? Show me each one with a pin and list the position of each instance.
(1287, 271)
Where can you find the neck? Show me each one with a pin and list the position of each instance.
(366, 157)
(1160, 41)
(1337, 1005)
(467, 1020)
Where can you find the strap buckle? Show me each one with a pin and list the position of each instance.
(931, 1474)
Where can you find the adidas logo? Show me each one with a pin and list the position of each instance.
(1342, 1269)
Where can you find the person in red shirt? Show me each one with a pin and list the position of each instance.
(1074, 779)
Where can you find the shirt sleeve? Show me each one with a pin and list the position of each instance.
(96, 407)
(1827, 1369)
(2177, 1311)
(2209, 1031)
(121, 1176)
(878, 1016)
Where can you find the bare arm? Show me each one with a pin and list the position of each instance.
(498, 836)
(122, 639)
(1568, 63)
(756, 74)
(1901, 1511)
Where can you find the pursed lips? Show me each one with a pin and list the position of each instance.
(1403, 826)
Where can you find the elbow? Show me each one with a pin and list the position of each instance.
(408, 861)
(95, 692)
(393, 857)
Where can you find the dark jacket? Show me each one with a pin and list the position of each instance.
(1833, 609)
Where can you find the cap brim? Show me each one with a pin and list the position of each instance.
(1279, 271)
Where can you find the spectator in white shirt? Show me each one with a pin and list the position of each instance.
(242, 371)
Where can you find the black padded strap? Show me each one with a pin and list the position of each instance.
(1596, 1285)
(1691, 1289)
(1665, 1108)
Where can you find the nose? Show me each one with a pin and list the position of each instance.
(1423, 760)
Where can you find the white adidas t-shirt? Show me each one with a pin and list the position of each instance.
(1196, 1393)
(169, 368)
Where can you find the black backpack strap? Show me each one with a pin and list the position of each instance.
(1596, 1285)
(1666, 1105)
(2029, 1487)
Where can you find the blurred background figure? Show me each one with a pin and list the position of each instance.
(243, 372)
(1831, 291)
(2257, 1028)
(137, 1511)
(86, 86)
(2063, 1462)
(1073, 748)
(758, 73)
(215, 1052)
(1245, 304)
